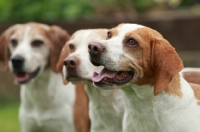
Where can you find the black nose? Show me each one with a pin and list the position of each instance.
(95, 48)
(17, 63)
(71, 62)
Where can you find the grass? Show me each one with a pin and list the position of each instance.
(9, 117)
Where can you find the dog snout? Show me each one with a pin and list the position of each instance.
(71, 62)
(17, 63)
(95, 48)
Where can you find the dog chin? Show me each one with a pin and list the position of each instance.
(104, 86)
(23, 77)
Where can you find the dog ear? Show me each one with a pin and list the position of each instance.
(64, 53)
(4, 56)
(165, 63)
(58, 38)
(4, 41)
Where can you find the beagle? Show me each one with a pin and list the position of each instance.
(106, 108)
(31, 52)
(147, 68)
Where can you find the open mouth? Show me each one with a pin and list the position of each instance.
(109, 78)
(23, 77)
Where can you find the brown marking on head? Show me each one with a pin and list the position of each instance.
(196, 89)
(113, 32)
(81, 110)
(4, 40)
(192, 76)
(155, 60)
(174, 87)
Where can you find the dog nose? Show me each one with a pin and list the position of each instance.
(70, 62)
(95, 48)
(17, 62)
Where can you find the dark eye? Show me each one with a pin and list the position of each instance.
(132, 43)
(71, 47)
(14, 42)
(109, 35)
(37, 43)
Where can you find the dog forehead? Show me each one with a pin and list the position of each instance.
(123, 29)
(81, 37)
(30, 30)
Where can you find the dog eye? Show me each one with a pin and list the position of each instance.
(109, 35)
(36, 43)
(132, 43)
(14, 42)
(71, 47)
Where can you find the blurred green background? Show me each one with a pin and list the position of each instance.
(70, 10)
(178, 20)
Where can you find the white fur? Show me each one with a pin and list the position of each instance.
(47, 107)
(46, 104)
(106, 108)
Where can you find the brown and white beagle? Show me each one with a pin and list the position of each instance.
(31, 52)
(147, 68)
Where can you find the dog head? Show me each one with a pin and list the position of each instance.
(74, 59)
(134, 54)
(28, 49)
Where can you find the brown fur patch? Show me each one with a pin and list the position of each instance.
(192, 76)
(102, 33)
(174, 87)
(58, 38)
(64, 53)
(81, 108)
(4, 40)
(196, 89)
(155, 59)
(114, 32)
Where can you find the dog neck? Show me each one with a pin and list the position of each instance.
(139, 114)
(47, 90)
(105, 105)
(145, 111)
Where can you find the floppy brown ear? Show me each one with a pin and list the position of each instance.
(165, 63)
(58, 38)
(64, 53)
(4, 54)
(4, 41)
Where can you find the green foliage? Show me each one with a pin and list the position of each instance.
(142, 5)
(44, 10)
(69, 10)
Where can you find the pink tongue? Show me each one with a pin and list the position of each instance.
(20, 77)
(97, 77)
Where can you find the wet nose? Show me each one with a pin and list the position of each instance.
(17, 63)
(70, 62)
(95, 48)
